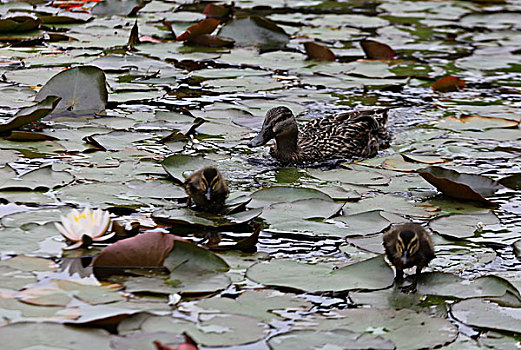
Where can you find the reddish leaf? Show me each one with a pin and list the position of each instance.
(218, 11)
(318, 52)
(206, 26)
(448, 84)
(144, 250)
(460, 186)
(375, 50)
(189, 344)
(209, 40)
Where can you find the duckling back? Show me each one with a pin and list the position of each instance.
(207, 188)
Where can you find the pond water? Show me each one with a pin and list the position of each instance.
(317, 278)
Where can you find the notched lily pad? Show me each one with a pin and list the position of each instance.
(460, 186)
(41, 178)
(462, 225)
(483, 313)
(189, 217)
(373, 273)
(83, 91)
(255, 31)
(31, 114)
(179, 166)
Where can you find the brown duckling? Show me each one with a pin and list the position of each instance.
(353, 134)
(207, 188)
(406, 246)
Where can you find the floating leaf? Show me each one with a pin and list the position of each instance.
(476, 122)
(405, 328)
(18, 24)
(206, 26)
(144, 250)
(335, 338)
(211, 41)
(460, 186)
(462, 226)
(512, 181)
(31, 114)
(369, 274)
(180, 165)
(41, 178)
(318, 52)
(83, 90)
(355, 177)
(187, 216)
(219, 11)
(448, 84)
(487, 314)
(255, 31)
(276, 194)
(376, 50)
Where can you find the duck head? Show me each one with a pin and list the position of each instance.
(280, 124)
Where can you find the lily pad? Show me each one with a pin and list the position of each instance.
(82, 90)
(31, 114)
(460, 186)
(487, 314)
(369, 274)
(464, 225)
(187, 216)
(276, 194)
(255, 31)
(476, 122)
(318, 52)
(209, 329)
(444, 284)
(179, 165)
(42, 178)
(364, 223)
(329, 339)
(261, 304)
(405, 328)
(15, 336)
(355, 177)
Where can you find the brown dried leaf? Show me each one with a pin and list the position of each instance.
(206, 26)
(376, 50)
(318, 52)
(448, 84)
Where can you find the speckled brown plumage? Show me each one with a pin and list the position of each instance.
(355, 134)
(406, 246)
(207, 189)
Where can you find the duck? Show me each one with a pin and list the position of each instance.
(408, 245)
(207, 189)
(353, 134)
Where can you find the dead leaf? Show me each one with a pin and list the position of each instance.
(448, 84)
(376, 50)
(318, 52)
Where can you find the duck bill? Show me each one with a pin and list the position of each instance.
(404, 258)
(208, 194)
(262, 138)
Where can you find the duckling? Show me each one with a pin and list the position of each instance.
(207, 188)
(352, 134)
(406, 246)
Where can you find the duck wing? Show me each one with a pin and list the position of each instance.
(358, 133)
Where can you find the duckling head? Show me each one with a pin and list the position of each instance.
(279, 123)
(210, 182)
(407, 244)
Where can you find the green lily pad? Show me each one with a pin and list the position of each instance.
(179, 165)
(464, 225)
(276, 194)
(70, 338)
(255, 31)
(83, 91)
(39, 179)
(476, 122)
(512, 181)
(261, 304)
(329, 339)
(187, 216)
(355, 177)
(369, 274)
(444, 284)
(31, 114)
(405, 328)
(210, 329)
(487, 314)
(364, 223)
(394, 298)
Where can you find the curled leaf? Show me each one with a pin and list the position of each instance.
(376, 50)
(448, 84)
(460, 186)
(206, 26)
(318, 52)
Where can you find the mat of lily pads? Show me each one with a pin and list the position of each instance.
(112, 104)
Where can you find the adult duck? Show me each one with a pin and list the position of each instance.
(355, 134)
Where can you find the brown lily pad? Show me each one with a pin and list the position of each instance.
(376, 50)
(448, 84)
(318, 52)
(206, 26)
(460, 186)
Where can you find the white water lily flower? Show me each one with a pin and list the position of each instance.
(85, 227)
